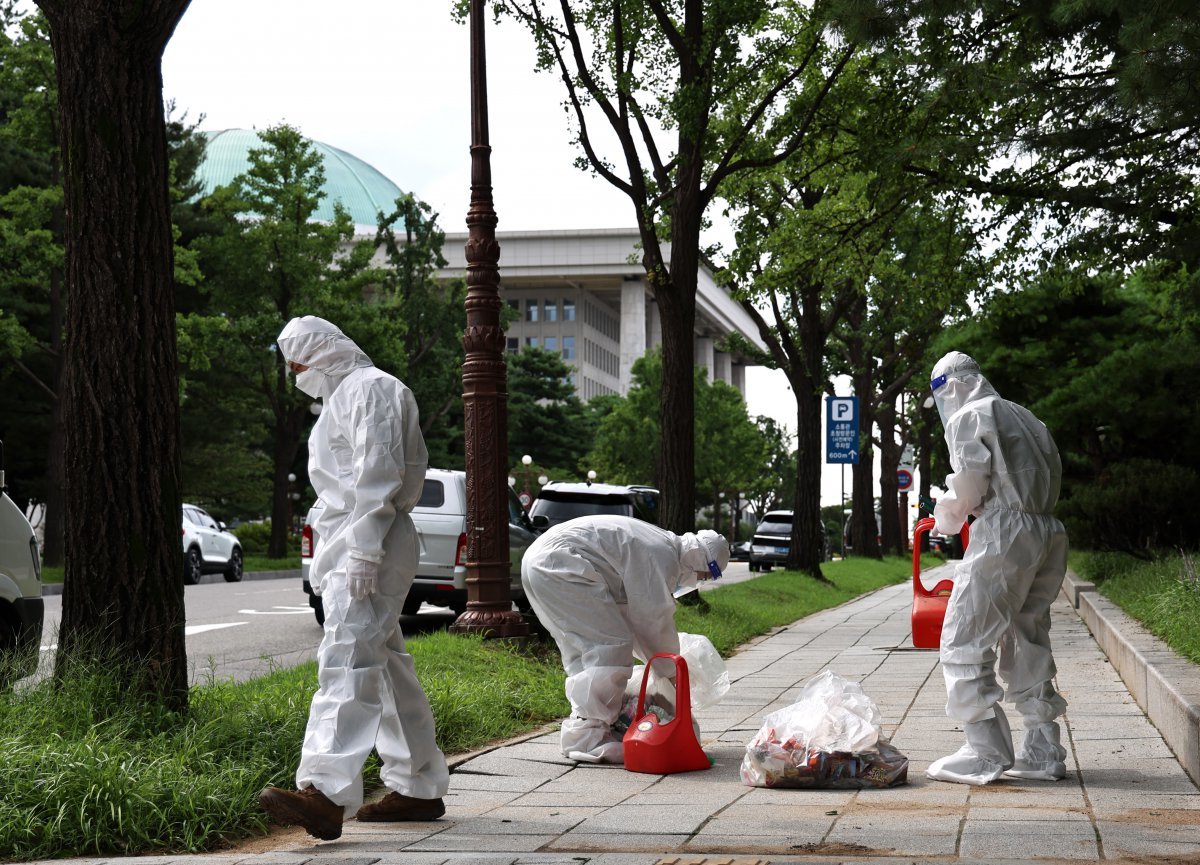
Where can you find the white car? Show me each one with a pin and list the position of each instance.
(21, 606)
(208, 548)
(440, 517)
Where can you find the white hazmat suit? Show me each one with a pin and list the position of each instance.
(367, 461)
(1006, 474)
(603, 586)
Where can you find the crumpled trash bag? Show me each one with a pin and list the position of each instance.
(708, 682)
(830, 737)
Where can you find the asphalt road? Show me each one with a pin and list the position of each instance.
(242, 630)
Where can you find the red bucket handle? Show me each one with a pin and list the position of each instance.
(683, 691)
(922, 528)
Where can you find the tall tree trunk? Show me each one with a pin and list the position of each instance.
(807, 549)
(123, 591)
(289, 426)
(889, 487)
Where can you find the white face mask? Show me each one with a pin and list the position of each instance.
(311, 381)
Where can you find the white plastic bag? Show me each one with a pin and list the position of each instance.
(708, 682)
(830, 737)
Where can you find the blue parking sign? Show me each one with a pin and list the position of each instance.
(841, 429)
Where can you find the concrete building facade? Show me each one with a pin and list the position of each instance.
(584, 295)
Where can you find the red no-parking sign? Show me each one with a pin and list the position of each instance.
(905, 479)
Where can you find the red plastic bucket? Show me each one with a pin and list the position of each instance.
(929, 605)
(657, 748)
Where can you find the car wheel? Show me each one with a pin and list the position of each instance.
(412, 606)
(233, 574)
(318, 608)
(192, 567)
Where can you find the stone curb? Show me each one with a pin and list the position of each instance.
(1164, 683)
(57, 588)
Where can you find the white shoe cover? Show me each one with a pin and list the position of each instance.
(606, 752)
(964, 766)
(985, 757)
(1033, 771)
(1040, 757)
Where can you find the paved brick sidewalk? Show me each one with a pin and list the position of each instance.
(1125, 799)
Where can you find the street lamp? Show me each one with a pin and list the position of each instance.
(591, 477)
(485, 388)
(526, 496)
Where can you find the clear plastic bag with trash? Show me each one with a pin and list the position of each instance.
(707, 676)
(831, 737)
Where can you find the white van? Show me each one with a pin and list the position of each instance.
(21, 608)
(440, 518)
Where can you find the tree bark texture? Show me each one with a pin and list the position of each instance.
(807, 550)
(123, 589)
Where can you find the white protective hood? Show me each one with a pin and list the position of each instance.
(329, 354)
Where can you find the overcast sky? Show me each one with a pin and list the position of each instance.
(388, 81)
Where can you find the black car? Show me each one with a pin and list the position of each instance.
(560, 501)
(772, 541)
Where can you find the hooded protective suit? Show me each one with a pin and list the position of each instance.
(603, 586)
(367, 463)
(1006, 474)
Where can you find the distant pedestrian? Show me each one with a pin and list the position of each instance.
(604, 587)
(367, 462)
(1006, 474)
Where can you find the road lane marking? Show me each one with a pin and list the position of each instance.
(278, 611)
(200, 629)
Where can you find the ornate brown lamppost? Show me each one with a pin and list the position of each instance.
(485, 396)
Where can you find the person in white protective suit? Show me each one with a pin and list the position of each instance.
(1006, 474)
(604, 587)
(367, 461)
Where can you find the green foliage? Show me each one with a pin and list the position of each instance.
(545, 418)
(1163, 593)
(254, 537)
(1137, 505)
(432, 316)
(1117, 381)
(733, 453)
(93, 774)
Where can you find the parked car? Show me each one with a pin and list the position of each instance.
(739, 552)
(440, 517)
(560, 501)
(21, 607)
(772, 540)
(209, 548)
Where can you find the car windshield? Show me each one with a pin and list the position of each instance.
(775, 525)
(564, 506)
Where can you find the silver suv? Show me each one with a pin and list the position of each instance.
(440, 517)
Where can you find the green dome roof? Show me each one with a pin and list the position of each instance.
(361, 189)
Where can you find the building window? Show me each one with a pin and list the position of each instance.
(551, 310)
(515, 304)
(531, 342)
(550, 343)
(568, 348)
(568, 310)
(512, 345)
(531, 310)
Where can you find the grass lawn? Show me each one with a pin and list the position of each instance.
(1163, 593)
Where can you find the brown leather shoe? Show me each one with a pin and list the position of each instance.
(309, 808)
(395, 807)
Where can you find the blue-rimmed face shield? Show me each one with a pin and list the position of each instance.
(938, 382)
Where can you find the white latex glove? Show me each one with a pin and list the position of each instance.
(363, 577)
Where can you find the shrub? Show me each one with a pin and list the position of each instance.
(1136, 506)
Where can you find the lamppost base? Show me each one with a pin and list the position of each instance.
(491, 623)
